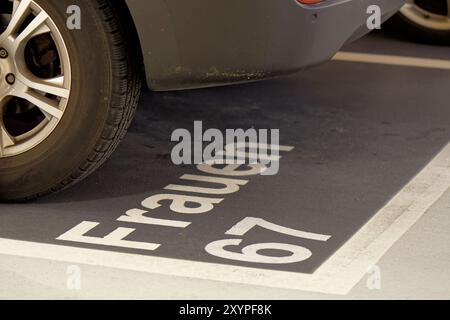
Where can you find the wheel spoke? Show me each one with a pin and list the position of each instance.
(6, 140)
(48, 106)
(34, 28)
(16, 4)
(21, 11)
(53, 86)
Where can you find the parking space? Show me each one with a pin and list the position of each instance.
(356, 134)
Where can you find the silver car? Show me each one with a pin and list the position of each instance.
(71, 70)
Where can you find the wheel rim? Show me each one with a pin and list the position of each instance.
(35, 76)
(425, 18)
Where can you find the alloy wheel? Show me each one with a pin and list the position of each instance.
(35, 76)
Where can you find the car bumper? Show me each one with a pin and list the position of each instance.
(198, 43)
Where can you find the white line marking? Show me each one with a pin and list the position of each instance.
(393, 60)
(336, 276)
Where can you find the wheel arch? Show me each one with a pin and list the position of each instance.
(156, 41)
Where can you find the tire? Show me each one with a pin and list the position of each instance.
(105, 81)
(425, 21)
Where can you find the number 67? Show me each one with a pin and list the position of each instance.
(250, 253)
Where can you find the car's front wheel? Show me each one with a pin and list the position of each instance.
(67, 95)
(427, 21)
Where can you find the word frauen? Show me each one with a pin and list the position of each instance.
(225, 180)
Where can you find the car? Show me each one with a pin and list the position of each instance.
(71, 70)
(426, 21)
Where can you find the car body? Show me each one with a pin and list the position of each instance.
(197, 43)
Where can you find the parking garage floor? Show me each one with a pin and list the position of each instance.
(368, 174)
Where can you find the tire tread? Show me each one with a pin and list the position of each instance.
(127, 84)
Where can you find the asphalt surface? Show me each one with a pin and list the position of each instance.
(360, 132)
